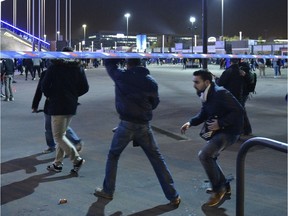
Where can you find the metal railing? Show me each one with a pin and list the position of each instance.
(260, 141)
(25, 35)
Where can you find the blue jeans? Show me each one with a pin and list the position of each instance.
(70, 133)
(142, 135)
(276, 70)
(8, 86)
(208, 158)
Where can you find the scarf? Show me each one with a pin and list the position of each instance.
(203, 95)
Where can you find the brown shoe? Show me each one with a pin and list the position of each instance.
(217, 199)
(228, 190)
(175, 202)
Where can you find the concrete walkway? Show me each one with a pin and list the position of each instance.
(27, 189)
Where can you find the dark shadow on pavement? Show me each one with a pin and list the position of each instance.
(157, 210)
(26, 163)
(213, 211)
(18, 190)
(98, 208)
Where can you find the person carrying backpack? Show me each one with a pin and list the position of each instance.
(248, 87)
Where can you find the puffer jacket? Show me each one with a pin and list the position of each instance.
(136, 92)
(64, 82)
(222, 104)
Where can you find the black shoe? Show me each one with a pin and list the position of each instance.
(77, 166)
(99, 192)
(55, 168)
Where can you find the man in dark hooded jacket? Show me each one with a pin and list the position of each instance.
(64, 82)
(136, 95)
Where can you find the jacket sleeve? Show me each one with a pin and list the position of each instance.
(199, 118)
(83, 84)
(112, 68)
(234, 110)
(38, 93)
(46, 83)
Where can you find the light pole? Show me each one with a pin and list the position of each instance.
(58, 35)
(192, 20)
(127, 15)
(84, 31)
(222, 18)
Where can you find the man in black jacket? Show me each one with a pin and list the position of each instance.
(136, 95)
(63, 83)
(223, 115)
(70, 133)
(235, 80)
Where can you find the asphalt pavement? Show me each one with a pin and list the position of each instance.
(28, 189)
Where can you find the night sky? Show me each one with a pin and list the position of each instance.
(254, 18)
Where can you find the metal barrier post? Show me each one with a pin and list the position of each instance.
(240, 175)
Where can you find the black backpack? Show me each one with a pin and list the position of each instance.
(252, 84)
(251, 80)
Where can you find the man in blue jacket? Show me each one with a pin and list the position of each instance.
(64, 82)
(136, 95)
(223, 116)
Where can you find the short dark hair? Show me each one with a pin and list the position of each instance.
(67, 49)
(204, 74)
(234, 60)
(133, 62)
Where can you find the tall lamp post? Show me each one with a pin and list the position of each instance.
(192, 20)
(222, 18)
(127, 15)
(84, 31)
(58, 35)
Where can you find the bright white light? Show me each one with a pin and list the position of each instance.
(192, 19)
(127, 15)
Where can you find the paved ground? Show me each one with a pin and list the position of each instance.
(28, 189)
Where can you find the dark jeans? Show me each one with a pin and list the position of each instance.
(142, 135)
(208, 158)
(247, 129)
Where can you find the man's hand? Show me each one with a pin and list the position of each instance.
(213, 125)
(34, 110)
(185, 127)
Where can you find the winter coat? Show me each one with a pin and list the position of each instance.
(64, 82)
(221, 104)
(232, 81)
(136, 92)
